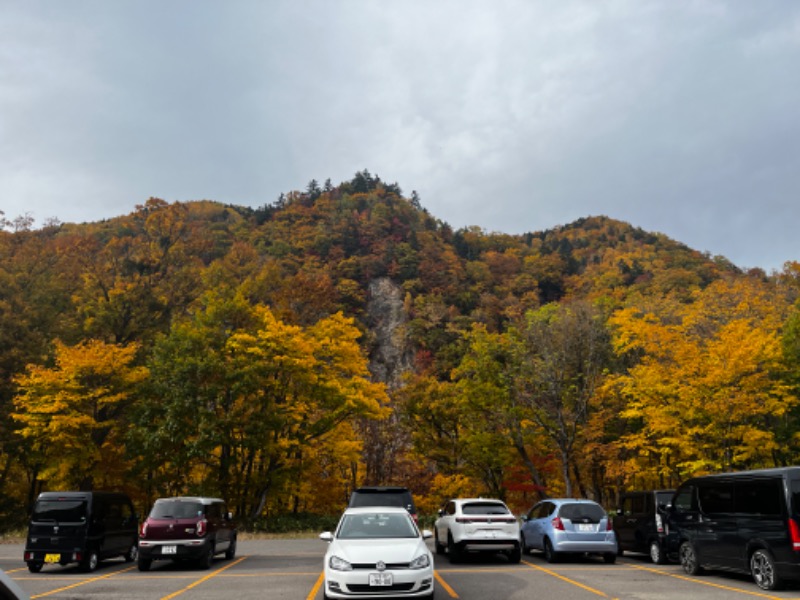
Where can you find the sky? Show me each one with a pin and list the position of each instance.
(677, 116)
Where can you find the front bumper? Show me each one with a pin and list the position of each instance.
(355, 584)
(190, 549)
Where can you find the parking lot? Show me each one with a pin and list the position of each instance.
(292, 569)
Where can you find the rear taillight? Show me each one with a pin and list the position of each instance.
(143, 530)
(201, 527)
(558, 523)
(794, 534)
(609, 524)
(659, 524)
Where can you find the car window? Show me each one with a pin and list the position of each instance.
(176, 509)
(583, 512)
(664, 498)
(376, 525)
(685, 500)
(543, 510)
(484, 508)
(60, 511)
(363, 499)
(716, 497)
(759, 497)
(451, 508)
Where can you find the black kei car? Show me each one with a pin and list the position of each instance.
(641, 523)
(80, 527)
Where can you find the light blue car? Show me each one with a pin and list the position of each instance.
(563, 526)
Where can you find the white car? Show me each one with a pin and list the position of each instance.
(377, 552)
(477, 525)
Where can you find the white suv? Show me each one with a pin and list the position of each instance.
(477, 524)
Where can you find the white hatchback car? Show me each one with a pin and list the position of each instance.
(477, 524)
(377, 552)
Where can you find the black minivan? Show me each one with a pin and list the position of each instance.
(81, 527)
(747, 522)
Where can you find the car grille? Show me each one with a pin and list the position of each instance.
(374, 566)
(363, 587)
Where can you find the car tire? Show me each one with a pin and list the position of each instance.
(440, 548)
(657, 554)
(207, 559)
(515, 555)
(524, 548)
(763, 570)
(132, 553)
(689, 560)
(144, 564)
(35, 566)
(231, 551)
(610, 558)
(90, 561)
(453, 551)
(550, 555)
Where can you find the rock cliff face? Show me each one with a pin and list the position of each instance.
(390, 353)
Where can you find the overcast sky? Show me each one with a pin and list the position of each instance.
(677, 116)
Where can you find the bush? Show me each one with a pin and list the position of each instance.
(292, 523)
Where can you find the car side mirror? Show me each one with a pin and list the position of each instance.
(229, 516)
(440, 512)
(327, 536)
(426, 533)
(619, 512)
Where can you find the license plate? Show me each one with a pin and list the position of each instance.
(52, 558)
(169, 549)
(584, 527)
(380, 579)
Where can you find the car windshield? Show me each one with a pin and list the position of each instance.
(376, 525)
(176, 509)
(484, 508)
(60, 511)
(590, 513)
(664, 498)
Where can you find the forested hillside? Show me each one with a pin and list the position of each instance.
(343, 335)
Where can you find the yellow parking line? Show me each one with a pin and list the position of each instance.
(567, 579)
(313, 593)
(203, 579)
(708, 583)
(74, 585)
(443, 583)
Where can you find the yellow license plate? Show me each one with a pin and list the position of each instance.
(52, 558)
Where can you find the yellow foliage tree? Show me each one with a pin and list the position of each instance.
(74, 413)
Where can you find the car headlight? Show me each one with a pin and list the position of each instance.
(339, 564)
(420, 562)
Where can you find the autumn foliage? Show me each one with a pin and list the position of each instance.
(342, 335)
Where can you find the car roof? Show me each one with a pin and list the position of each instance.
(478, 500)
(360, 510)
(200, 499)
(571, 500)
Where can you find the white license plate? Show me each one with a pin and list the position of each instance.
(585, 527)
(380, 579)
(169, 549)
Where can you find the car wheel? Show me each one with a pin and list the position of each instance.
(132, 553)
(762, 568)
(90, 562)
(231, 551)
(550, 555)
(688, 559)
(440, 548)
(453, 551)
(609, 558)
(35, 566)
(144, 564)
(207, 559)
(657, 554)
